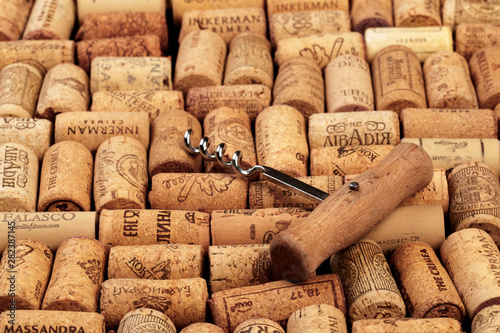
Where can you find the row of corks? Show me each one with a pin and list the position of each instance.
(89, 278)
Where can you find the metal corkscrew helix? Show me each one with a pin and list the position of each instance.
(271, 174)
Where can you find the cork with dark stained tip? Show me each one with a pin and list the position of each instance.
(51, 20)
(371, 14)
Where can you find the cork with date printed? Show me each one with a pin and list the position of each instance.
(184, 301)
(145, 227)
(258, 325)
(14, 15)
(249, 61)
(317, 318)
(168, 150)
(24, 273)
(130, 73)
(110, 25)
(51, 20)
(156, 262)
(200, 61)
(236, 266)
(226, 22)
(202, 328)
(65, 88)
(417, 13)
(322, 48)
(280, 140)
(19, 178)
(285, 6)
(145, 320)
(66, 178)
(470, 37)
(31, 132)
(404, 325)
(448, 82)
(370, 14)
(93, 128)
(64, 321)
(20, 84)
(203, 192)
(274, 300)
(300, 74)
(483, 66)
(130, 46)
(77, 275)
(306, 23)
(250, 98)
(153, 102)
(427, 289)
(487, 320)
(120, 174)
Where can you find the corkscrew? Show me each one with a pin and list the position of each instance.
(270, 174)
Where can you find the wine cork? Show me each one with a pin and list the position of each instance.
(259, 325)
(50, 228)
(474, 189)
(300, 74)
(274, 300)
(152, 102)
(19, 178)
(121, 24)
(130, 46)
(167, 152)
(403, 325)
(156, 262)
(46, 53)
(146, 320)
(280, 140)
(469, 11)
(20, 84)
(424, 41)
(426, 286)
(348, 85)
(448, 83)
(93, 128)
(285, 6)
(353, 128)
(34, 133)
(24, 274)
(369, 287)
(265, 194)
(249, 61)
(471, 259)
(183, 301)
(398, 81)
(121, 174)
(85, 7)
(198, 191)
(51, 20)
(65, 88)
(417, 13)
(234, 129)
(322, 48)
(252, 226)
(33, 320)
(147, 227)
(486, 320)
(483, 68)
(66, 178)
(250, 98)
(227, 22)
(370, 14)
(180, 7)
(202, 328)
(448, 153)
(343, 160)
(130, 73)
(14, 15)
(77, 276)
(470, 37)
(200, 61)
(235, 266)
(318, 318)
(435, 123)
(301, 24)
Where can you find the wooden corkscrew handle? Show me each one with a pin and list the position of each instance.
(349, 213)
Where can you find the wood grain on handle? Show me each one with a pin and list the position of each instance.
(347, 215)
